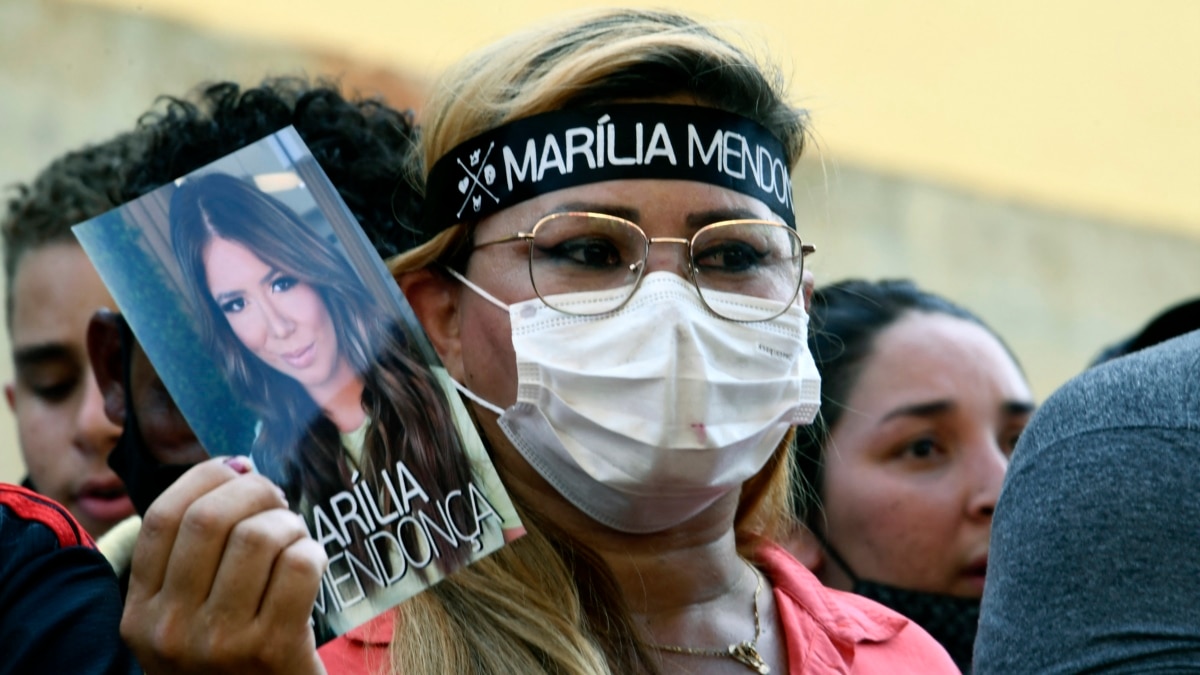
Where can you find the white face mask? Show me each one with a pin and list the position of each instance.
(645, 416)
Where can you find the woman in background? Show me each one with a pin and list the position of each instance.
(921, 407)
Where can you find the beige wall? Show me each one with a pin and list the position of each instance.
(1038, 162)
(1080, 105)
(1057, 286)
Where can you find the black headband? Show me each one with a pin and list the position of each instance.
(539, 154)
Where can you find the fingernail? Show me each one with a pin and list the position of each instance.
(238, 464)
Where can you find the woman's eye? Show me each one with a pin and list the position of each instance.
(282, 284)
(233, 306)
(730, 256)
(588, 252)
(921, 449)
(1009, 443)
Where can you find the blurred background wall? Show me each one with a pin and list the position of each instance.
(1037, 162)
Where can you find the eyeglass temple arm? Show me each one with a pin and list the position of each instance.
(518, 236)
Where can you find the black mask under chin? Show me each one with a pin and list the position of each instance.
(144, 476)
(951, 620)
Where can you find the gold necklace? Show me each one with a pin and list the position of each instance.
(744, 652)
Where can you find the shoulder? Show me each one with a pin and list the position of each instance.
(28, 516)
(831, 631)
(1126, 429)
(1090, 508)
(1157, 387)
(56, 592)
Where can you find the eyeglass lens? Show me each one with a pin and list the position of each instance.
(575, 252)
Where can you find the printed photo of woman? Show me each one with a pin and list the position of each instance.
(340, 393)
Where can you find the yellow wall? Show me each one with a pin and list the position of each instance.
(1090, 106)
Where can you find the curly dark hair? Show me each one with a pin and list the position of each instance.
(79, 185)
(359, 143)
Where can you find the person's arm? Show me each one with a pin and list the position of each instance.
(224, 578)
(59, 603)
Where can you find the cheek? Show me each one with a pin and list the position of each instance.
(304, 306)
(867, 500)
(890, 527)
(166, 433)
(488, 361)
(164, 430)
(248, 327)
(44, 432)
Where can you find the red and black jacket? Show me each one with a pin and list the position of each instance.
(60, 608)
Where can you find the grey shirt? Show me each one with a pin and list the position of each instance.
(1095, 555)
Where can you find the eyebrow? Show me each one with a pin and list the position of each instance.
(1018, 407)
(32, 355)
(930, 409)
(694, 220)
(702, 218)
(597, 207)
(934, 408)
(224, 295)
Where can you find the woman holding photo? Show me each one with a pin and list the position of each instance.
(611, 271)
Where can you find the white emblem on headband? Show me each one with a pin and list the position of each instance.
(471, 182)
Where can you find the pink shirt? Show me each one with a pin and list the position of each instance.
(830, 631)
(827, 631)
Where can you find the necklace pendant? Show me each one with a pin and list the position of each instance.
(747, 654)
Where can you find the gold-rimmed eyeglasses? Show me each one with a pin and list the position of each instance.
(576, 251)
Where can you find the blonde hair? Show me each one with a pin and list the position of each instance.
(546, 602)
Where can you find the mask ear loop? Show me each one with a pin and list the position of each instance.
(834, 555)
(475, 287)
(462, 389)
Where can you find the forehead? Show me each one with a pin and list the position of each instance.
(659, 206)
(926, 357)
(227, 260)
(55, 292)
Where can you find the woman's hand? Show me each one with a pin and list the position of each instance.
(224, 578)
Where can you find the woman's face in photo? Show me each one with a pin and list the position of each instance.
(914, 466)
(278, 318)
